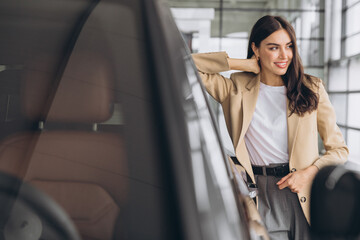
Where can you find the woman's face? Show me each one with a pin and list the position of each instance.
(275, 53)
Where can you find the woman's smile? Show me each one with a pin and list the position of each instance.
(281, 64)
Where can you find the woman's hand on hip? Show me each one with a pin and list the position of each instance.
(296, 181)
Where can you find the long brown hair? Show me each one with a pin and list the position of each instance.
(301, 98)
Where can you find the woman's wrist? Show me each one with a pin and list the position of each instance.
(313, 168)
(247, 65)
(312, 171)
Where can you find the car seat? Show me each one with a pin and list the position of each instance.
(80, 167)
(335, 209)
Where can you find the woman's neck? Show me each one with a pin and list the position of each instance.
(271, 80)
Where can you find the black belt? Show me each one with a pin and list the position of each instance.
(276, 171)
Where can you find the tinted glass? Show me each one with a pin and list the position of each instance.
(217, 209)
(77, 118)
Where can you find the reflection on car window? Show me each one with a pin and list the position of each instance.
(211, 178)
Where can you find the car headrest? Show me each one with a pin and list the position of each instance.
(334, 206)
(83, 94)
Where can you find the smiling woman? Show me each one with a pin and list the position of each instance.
(276, 55)
(273, 112)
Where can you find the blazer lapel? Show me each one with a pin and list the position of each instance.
(250, 96)
(293, 123)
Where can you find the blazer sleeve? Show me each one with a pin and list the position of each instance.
(209, 65)
(336, 149)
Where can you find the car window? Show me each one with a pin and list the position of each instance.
(81, 128)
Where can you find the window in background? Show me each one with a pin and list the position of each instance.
(334, 23)
(344, 72)
(352, 30)
(354, 113)
(352, 45)
(351, 2)
(352, 16)
(353, 144)
(337, 77)
(354, 74)
(339, 103)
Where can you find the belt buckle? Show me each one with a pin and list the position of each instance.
(279, 171)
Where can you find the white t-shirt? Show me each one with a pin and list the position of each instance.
(266, 137)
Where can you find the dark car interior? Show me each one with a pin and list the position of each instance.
(57, 85)
(74, 84)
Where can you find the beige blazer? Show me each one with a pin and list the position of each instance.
(238, 95)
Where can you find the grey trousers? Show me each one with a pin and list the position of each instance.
(281, 211)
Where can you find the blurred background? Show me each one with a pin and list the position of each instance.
(328, 34)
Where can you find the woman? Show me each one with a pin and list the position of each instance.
(273, 112)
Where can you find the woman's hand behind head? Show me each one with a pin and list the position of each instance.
(255, 67)
(246, 65)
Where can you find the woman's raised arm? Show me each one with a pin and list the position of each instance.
(209, 66)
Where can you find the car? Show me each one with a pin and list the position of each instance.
(102, 111)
